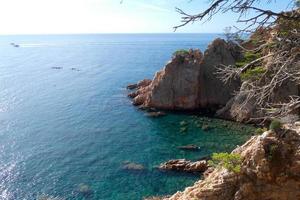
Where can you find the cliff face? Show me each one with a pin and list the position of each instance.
(189, 81)
(270, 171)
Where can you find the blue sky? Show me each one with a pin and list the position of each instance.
(107, 16)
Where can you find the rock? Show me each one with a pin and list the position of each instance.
(84, 189)
(133, 166)
(237, 110)
(156, 114)
(205, 127)
(156, 198)
(190, 83)
(132, 86)
(183, 129)
(142, 83)
(132, 95)
(233, 109)
(270, 170)
(184, 123)
(191, 147)
(184, 165)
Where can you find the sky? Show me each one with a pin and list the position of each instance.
(108, 16)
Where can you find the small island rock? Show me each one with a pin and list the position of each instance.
(184, 165)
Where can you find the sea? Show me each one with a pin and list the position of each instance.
(67, 127)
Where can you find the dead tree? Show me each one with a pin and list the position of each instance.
(280, 52)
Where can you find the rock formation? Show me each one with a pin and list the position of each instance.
(189, 81)
(270, 171)
(184, 165)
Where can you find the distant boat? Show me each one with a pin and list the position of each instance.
(14, 45)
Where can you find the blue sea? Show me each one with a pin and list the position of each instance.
(67, 126)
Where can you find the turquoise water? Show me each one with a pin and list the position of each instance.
(65, 119)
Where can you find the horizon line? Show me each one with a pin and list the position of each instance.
(133, 33)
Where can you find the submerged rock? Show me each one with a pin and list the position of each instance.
(84, 189)
(190, 83)
(132, 166)
(184, 123)
(205, 127)
(191, 147)
(184, 165)
(183, 129)
(156, 114)
(156, 198)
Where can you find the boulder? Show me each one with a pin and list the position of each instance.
(189, 81)
(184, 165)
(132, 86)
(142, 83)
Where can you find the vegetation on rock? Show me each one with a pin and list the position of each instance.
(253, 74)
(260, 131)
(181, 52)
(230, 161)
(275, 125)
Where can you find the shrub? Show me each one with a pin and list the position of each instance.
(247, 58)
(254, 73)
(271, 151)
(231, 162)
(275, 125)
(260, 131)
(181, 52)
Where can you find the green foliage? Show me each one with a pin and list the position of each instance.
(181, 52)
(275, 125)
(286, 27)
(231, 162)
(180, 55)
(272, 151)
(250, 56)
(247, 58)
(260, 131)
(253, 74)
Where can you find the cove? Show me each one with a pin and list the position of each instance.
(66, 133)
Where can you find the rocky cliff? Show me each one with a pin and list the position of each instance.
(270, 170)
(189, 80)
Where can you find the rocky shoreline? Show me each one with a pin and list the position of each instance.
(270, 163)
